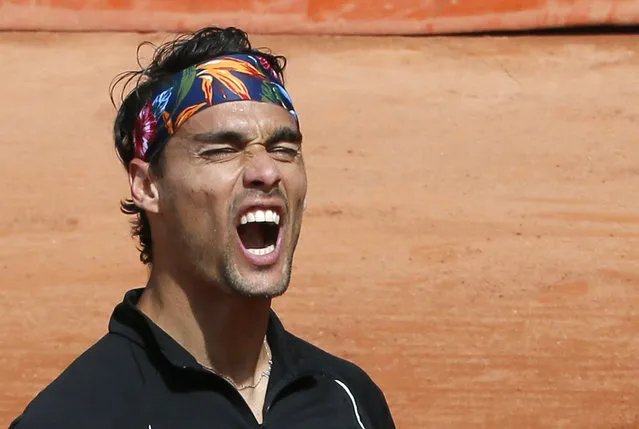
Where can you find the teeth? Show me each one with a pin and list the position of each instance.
(262, 252)
(260, 216)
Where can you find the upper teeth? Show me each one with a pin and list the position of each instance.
(260, 216)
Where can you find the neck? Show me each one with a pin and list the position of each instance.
(222, 331)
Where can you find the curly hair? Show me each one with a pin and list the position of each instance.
(169, 58)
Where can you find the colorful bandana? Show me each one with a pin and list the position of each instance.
(222, 79)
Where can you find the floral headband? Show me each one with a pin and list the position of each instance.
(222, 79)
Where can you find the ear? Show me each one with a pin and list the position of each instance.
(144, 190)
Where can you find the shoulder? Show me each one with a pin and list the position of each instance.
(89, 391)
(333, 365)
(354, 380)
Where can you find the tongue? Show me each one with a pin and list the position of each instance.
(252, 236)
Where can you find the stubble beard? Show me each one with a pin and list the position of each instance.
(256, 289)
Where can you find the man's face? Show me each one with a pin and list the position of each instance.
(231, 197)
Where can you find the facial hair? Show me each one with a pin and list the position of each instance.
(242, 286)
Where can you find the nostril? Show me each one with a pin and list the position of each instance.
(263, 181)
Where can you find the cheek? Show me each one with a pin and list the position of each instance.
(297, 183)
(195, 206)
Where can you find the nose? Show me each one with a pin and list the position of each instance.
(261, 171)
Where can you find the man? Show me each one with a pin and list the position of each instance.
(213, 149)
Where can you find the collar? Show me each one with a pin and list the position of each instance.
(128, 321)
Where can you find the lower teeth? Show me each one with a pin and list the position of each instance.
(264, 251)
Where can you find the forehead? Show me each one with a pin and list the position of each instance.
(240, 116)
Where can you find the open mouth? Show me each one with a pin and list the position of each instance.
(259, 230)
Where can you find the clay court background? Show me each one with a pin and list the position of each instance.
(472, 236)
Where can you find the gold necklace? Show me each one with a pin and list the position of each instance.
(265, 373)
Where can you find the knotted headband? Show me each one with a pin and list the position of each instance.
(227, 78)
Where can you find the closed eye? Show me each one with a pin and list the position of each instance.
(285, 153)
(291, 150)
(218, 152)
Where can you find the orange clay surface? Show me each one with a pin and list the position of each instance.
(471, 240)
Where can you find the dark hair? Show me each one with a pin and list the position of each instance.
(169, 58)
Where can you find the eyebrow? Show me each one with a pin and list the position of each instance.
(282, 134)
(233, 137)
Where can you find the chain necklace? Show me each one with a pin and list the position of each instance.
(265, 373)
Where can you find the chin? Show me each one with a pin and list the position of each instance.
(258, 290)
(265, 284)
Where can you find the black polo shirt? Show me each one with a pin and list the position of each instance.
(138, 377)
